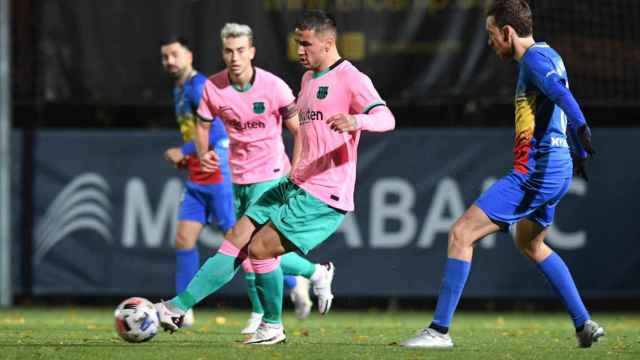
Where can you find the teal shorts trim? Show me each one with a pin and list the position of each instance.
(301, 218)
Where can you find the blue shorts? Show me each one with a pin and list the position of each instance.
(516, 196)
(208, 204)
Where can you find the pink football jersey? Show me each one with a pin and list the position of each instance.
(327, 168)
(253, 122)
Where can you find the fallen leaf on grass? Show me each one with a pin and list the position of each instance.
(16, 320)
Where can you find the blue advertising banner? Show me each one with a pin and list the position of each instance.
(106, 206)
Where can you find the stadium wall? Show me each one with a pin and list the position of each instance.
(419, 53)
(103, 206)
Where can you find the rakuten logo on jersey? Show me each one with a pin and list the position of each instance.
(249, 125)
(310, 115)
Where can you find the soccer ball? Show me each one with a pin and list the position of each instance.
(136, 320)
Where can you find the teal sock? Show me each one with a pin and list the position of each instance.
(252, 291)
(294, 264)
(270, 291)
(215, 273)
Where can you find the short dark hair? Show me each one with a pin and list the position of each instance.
(174, 38)
(317, 20)
(515, 13)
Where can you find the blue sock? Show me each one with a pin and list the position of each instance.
(290, 282)
(560, 278)
(455, 276)
(187, 265)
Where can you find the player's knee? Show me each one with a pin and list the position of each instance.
(528, 252)
(262, 246)
(240, 234)
(458, 235)
(532, 250)
(258, 249)
(521, 244)
(183, 241)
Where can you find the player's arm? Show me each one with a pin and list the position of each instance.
(379, 119)
(205, 115)
(176, 156)
(292, 122)
(208, 158)
(547, 79)
(373, 114)
(554, 87)
(188, 148)
(219, 141)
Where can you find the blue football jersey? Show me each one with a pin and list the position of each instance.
(541, 149)
(186, 101)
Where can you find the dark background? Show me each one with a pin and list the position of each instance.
(84, 63)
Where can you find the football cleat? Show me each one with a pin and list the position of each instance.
(321, 280)
(170, 318)
(188, 319)
(589, 334)
(267, 334)
(252, 324)
(300, 298)
(429, 338)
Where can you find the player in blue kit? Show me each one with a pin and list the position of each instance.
(528, 195)
(207, 196)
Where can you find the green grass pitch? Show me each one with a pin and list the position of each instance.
(88, 333)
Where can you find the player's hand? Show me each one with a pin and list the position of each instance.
(343, 123)
(584, 134)
(580, 162)
(175, 157)
(579, 166)
(209, 161)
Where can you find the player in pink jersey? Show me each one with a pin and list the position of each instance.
(253, 104)
(336, 102)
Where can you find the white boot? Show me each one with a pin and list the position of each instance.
(252, 324)
(267, 334)
(321, 280)
(300, 297)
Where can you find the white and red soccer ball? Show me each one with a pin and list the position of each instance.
(136, 320)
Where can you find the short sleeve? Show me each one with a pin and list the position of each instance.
(284, 95)
(206, 109)
(364, 94)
